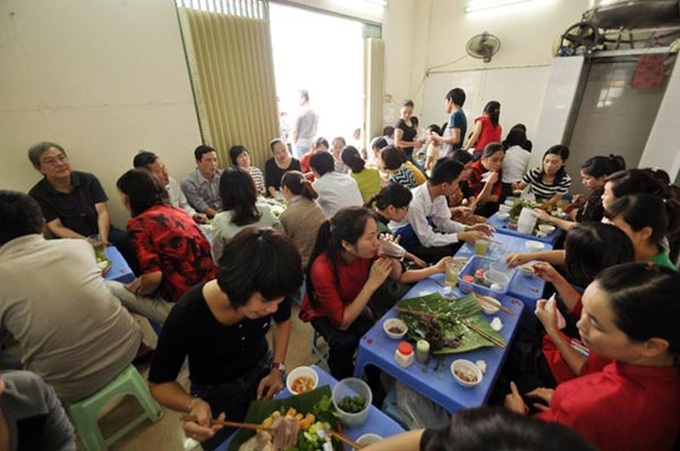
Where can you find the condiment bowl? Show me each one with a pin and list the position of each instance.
(393, 324)
(301, 371)
(546, 228)
(534, 246)
(527, 270)
(466, 373)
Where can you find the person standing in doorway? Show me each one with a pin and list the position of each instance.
(305, 126)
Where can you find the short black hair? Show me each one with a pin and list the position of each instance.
(260, 260)
(235, 152)
(142, 189)
(388, 131)
(461, 156)
(202, 150)
(20, 215)
(434, 128)
(144, 159)
(392, 157)
(456, 96)
(445, 170)
(322, 162)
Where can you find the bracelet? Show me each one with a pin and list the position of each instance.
(193, 403)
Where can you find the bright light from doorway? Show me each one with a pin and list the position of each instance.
(483, 5)
(324, 55)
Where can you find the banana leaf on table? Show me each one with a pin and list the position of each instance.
(444, 329)
(304, 403)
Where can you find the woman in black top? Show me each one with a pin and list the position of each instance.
(221, 327)
(406, 130)
(276, 166)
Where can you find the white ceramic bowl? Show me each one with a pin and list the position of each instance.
(488, 308)
(502, 215)
(546, 228)
(504, 208)
(496, 277)
(466, 373)
(395, 323)
(368, 439)
(526, 270)
(534, 246)
(352, 386)
(301, 371)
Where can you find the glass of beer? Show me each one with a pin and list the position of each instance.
(99, 247)
(481, 246)
(452, 269)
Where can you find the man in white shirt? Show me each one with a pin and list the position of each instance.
(430, 233)
(335, 190)
(305, 127)
(151, 161)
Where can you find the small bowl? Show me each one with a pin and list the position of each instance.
(504, 208)
(527, 270)
(546, 228)
(466, 373)
(302, 371)
(496, 277)
(488, 308)
(368, 439)
(393, 323)
(534, 246)
(503, 215)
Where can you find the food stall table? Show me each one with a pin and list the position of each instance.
(377, 423)
(501, 226)
(434, 379)
(120, 271)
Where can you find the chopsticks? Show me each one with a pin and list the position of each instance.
(483, 333)
(493, 302)
(494, 340)
(344, 439)
(233, 424)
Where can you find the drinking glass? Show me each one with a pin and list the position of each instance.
(99, 248)
(391, 249)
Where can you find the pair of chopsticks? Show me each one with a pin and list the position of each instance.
(233, 424)
(473, 327)
(259, 427)
(494, 303)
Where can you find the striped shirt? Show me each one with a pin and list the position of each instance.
(404, 176)
(543, 191)
(258, 178)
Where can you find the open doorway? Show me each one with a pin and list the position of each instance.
(324, 55)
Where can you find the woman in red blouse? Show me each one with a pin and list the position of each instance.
(173, 253)
(485, 179)
(487, 129)
(343, 275)
(630, 315)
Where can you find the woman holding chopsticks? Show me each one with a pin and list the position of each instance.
(221, 327)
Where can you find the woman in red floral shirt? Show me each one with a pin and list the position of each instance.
(173, 253)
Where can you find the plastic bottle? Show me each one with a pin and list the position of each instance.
(404, 354)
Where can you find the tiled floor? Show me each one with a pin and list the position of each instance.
(167, 434)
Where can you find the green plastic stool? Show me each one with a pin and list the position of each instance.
(83, 414)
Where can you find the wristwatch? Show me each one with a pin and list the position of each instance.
(279, 366)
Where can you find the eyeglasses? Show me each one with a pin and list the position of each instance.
(53, 161)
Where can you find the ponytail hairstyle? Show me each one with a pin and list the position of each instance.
(347, 225)
(392, 158)
(296, 182)
(493, 110)
(378, 143)
(515, 137)
(601, 166)
(351, 157)
(562, 152)
(393, 194)
(634, 181)
(644, 298)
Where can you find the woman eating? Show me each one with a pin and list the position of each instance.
(240, 209)
(485, 179)
(221, 327)
(550, 182)
(629, 316)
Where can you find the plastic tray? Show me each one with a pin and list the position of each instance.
(476, 262)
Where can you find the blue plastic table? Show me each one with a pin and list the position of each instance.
(377, 423)
(527, 289)
(501, 226)
(375, 348)
(120, 271)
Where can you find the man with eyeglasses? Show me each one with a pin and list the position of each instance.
(74, 202)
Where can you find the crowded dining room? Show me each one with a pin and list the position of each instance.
(319, 225)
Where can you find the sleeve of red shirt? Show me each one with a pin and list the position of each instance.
(140, 234)
(475, 182)
(576, 311)
(327, 296)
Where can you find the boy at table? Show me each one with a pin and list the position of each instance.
(429, 210)
(221, 327)
(74, 202)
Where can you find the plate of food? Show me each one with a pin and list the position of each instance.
(301, 422)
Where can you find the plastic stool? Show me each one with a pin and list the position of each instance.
(315, 350)
(83, 414)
